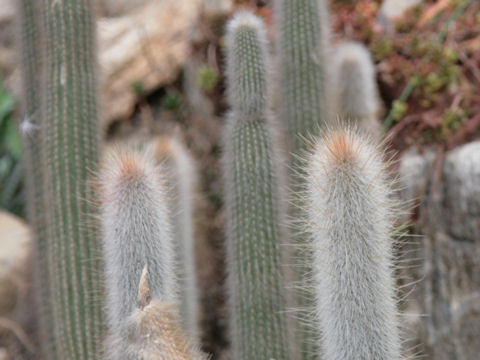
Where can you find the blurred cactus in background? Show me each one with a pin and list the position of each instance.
(252, 180)
(180, 177)
(355, 94)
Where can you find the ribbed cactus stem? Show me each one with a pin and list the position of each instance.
(70, 142)
(253, 206)
(155, 331)
(350, 219)
(29, 125)
(355, 93)
(303, 33)
(136, 231)
(303, 65)
(180, 175)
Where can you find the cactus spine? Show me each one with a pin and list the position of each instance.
(181, 179)
(252, 180)
(136, 231)
(350, 221)
(355, 97)
(69, 153)
(302, 49)
(155, 331)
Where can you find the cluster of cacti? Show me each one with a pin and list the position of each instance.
(146, 201)
(334, 298)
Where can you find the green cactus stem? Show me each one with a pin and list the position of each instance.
(254, 210)
(70, 141)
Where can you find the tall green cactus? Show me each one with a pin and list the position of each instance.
(181, 181)
(30, 17)
(136, 232)
(350, 219)
(253, 205)
(70, 141)
(302, 50)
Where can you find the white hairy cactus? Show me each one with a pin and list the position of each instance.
(180, 175)
(355, 93)
(350, 221)
(136, 231)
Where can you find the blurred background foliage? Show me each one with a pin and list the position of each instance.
(11, 172)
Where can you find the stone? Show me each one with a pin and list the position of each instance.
(15, 248)
(444, 262)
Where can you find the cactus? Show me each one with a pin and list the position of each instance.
(302, 46)
(302, 50)
(136, 231)
(181, 179)
(29, 11)
(69, 140)
(350, 219)
(252, 180)
(355, 94)
(155, 331)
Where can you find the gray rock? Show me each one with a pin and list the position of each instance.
(446, 294)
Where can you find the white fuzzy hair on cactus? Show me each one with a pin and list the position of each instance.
(350, 221)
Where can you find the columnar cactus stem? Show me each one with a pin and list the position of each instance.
(70, 141)
(303, 33)
(30, 17)
(302, 50)
(136, 231)
(355, 92)
(181, 181)
(252, 180)
(350, 219)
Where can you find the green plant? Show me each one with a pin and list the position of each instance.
(302, 48)
(61, 141)
(11, 169)
(350, 219)
(207, 77)
(252, 198)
